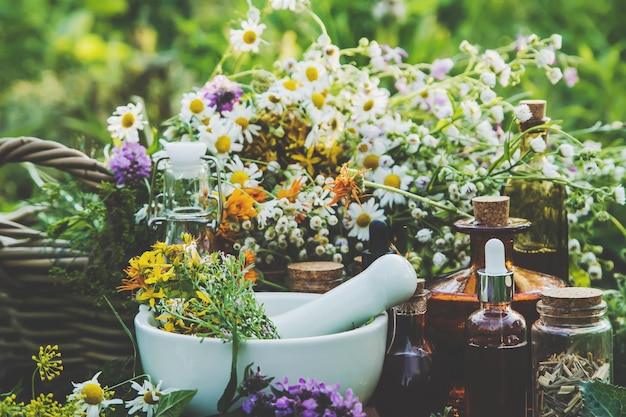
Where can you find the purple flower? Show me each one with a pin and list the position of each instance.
(130, 164)
(304, 399)
(571, 76)
(440, 67)
(222, 93)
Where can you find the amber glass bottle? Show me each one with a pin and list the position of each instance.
(544, 247)
(453, 296)
(407, 387)
(496, 352)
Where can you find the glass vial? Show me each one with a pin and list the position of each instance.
(406, 387)
(497, 364)
(543, 247)
(572, 341)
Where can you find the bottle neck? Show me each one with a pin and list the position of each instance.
(409, 320)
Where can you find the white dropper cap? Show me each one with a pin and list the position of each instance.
(495, 282)
(494, 257)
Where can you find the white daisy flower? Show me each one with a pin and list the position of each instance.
(248, 38)
(241, 176)
(369, 105)
(126, 122)
(148, 397)
(311, 72)
(221, 137)
(271, 101)
(90, 397)
(195, 107)
(359, 217)
(242, 115)
(395, 177)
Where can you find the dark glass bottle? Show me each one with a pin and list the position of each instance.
(544, 247)
(408, 380)
(497, 355)
(453, 296)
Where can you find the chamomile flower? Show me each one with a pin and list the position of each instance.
(193, 106)
(91, 398)
(248, 38)
(360, 216)
(242, 115)
(126, 122)
(241, 175)
(395, 177)
(369, 105)
(148, 397)
(221, 137)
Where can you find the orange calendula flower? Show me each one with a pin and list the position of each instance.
(346, 187)
(250, 258)
(240, 206)
(291, 192)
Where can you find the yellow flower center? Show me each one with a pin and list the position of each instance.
(273, 99)
(290, 85)
(393, 180)
(147, 397)
(243, 122)
(312, 74)
(222, 144)
(371, 161)
(128, 120)
(249, 37)
(369, 105)
(363, 220)
(318, 100)
(239, 177)
(93, 394)
(196, 106)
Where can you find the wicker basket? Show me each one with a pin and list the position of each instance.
(35, 308)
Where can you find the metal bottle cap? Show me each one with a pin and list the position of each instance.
(495, 288)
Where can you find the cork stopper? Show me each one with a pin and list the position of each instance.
(572, 297)
(421, 283)
(537, 108)
(538, 111)
(314, 276)
(491, 210)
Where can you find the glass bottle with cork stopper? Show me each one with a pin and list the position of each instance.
(544, 247)
(407, 386)
(496, 352)
(453, 296)
(572, 341)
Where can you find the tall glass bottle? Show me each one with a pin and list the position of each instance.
(544, 247)
(496, 354)
(407, 384)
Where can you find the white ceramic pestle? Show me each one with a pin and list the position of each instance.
(388, 281)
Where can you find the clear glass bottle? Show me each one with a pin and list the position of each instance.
(496, 353)
(407, 387)
(572, 341)
(191, 200)
(544, 247)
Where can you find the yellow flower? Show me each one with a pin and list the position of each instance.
(49, 362)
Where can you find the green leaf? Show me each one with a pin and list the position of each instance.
(174, 403)
(602, 400)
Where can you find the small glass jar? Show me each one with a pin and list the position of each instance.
(572, 341)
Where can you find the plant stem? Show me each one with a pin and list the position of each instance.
(424, 200)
